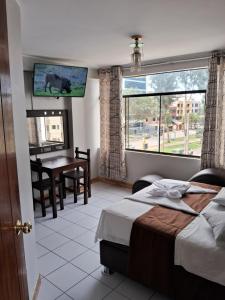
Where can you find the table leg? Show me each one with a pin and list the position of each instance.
(61, 192)
(85, 186)
(75, 190)
(54, 209)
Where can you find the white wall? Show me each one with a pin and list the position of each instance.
(92, 122)
(48, 103)
(22, 153)
(140, 164)
(84, 120)
(184, 62)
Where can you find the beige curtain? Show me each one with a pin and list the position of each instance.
(112, 148)
(213, 148)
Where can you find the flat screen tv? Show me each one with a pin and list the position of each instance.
(59, 81)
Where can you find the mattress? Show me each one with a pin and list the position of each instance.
(195, 247)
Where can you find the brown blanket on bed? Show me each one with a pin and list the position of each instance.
(151, 256)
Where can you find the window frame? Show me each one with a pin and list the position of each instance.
(126, 98)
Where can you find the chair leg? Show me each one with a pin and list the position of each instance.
(85, 187)
(51, 200)
(34, 203)
(61, 196)
(75, 190)
(43, 203)
(89, 187)
(50, 197)
(78, 186)
(63, 186)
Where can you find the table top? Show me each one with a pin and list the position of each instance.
(61, 162)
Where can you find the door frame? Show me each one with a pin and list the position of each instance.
(13, 279)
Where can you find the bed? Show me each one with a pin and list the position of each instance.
(186, 266)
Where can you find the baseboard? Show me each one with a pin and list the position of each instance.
(96, 179)
(37, 288)
(127, 185)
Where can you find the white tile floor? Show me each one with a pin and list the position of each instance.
(68, 257)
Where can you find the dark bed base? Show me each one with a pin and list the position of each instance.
(187, 286)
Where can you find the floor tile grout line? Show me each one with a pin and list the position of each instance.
(69, 262)
(66, 205)
(70, 241)
(113, 289)
(54, 285)
(46, 276)
(54, 231)
(87, 275)
(58, 245)
(102, 197)
(71, 210)
(51, 228)
(85, 215)
(38, 257)
(52, 250)
(62, 295)
(72, 223)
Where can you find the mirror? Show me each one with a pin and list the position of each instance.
(47, 131)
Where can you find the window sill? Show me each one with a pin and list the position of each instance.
(163, 153)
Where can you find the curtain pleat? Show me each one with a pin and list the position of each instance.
(112, 148)
(213, 147)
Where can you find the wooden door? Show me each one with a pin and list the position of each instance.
(13, 280)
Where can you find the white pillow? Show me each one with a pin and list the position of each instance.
(220, 197)
(217, 222)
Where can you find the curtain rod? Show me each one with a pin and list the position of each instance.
(170, 62)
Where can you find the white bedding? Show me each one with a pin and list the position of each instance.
(116, 221)
(195, 247)
(144, 197)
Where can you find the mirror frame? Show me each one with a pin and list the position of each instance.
(48, 113)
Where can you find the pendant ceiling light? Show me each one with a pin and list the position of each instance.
(137, 54)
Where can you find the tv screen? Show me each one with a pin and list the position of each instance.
(59, 81)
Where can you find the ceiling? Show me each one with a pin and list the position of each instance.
(96, 32)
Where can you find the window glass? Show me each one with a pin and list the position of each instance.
(143, 123)
(182, 129)
(187, 80)
(171, 123)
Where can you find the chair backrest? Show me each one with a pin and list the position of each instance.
(36, 166)
(84, 155)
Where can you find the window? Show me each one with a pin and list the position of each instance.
(162, 119)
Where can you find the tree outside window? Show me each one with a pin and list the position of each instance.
(167, 123)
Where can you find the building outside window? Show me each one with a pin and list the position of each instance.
(171, 120)
(135, 85)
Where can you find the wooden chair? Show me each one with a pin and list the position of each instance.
(43, 185)
(77, 174)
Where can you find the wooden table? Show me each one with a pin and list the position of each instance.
(55, 166)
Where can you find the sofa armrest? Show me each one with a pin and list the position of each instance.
(214, 176)
(144, 182)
